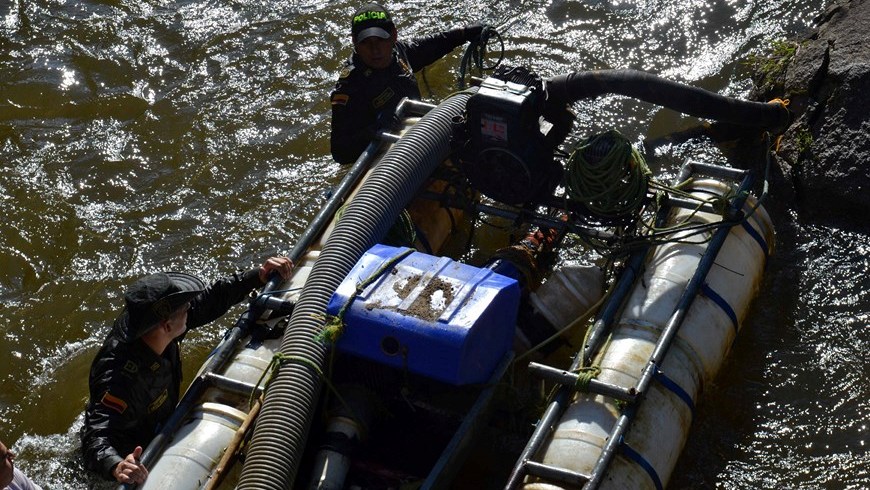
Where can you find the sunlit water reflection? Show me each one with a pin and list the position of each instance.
(193, 135)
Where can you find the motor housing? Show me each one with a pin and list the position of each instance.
(507, 143)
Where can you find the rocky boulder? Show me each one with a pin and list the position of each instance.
(825, 154)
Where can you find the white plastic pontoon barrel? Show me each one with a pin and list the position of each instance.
(198, 445)
(660, 428)
(568, 293)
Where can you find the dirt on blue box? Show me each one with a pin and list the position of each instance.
(437, 317)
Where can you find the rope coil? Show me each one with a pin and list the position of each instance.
(607, 175)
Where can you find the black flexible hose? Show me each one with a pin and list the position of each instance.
(291, 398)
(690, 100)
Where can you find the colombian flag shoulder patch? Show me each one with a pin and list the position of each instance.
(113, 402)
(340, 99)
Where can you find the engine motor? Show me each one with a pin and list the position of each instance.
(507, 138)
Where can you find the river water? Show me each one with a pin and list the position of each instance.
(146, 135)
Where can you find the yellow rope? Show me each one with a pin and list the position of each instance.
(578, 321)
(279, 359)
(333, 325)
(585, 375)
(784, 103)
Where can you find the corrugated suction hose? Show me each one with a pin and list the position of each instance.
(282, 428)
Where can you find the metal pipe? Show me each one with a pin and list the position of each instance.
(569, 380)
(413, 106)
(530, 217)
(269, 302)
(683, 203)
(444, 470)
(603, 323)
(554, 473)
(710, 170)
(543, 221)
(232, 385)
(669, 332)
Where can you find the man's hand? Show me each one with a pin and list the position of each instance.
(131, 470)
(282, 265)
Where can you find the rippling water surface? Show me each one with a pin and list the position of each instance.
(138, 136)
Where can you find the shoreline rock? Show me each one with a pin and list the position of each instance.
(825, 153)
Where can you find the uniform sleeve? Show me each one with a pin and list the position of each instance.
(110, 412)
(349, 134)
(424, 51)
(99, 455)
(220, 296)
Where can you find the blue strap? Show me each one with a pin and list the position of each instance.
(635, 456)
(676, 389)
(721, 303)
(758, 238)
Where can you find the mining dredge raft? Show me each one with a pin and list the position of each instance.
(428, 339)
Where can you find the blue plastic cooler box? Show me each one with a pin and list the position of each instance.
(432, 315)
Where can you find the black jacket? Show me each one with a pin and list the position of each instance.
(364, 99)
(133, 391)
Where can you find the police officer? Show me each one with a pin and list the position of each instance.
(135, 379)
(379, 74)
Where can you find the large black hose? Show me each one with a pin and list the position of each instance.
(690, 100)
(291, 398)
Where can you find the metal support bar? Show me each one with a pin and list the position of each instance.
(533, 218)
(711, 170)
(448, 464)
(681, 202)
(268, 302)
(233, 385)
(554, 473)
(388, 137)
(543, 221)
(602, 325)
(412, 106)
(542, 430)
(569, 380)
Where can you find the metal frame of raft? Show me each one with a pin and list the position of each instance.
(447, 464)
(634, 395)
